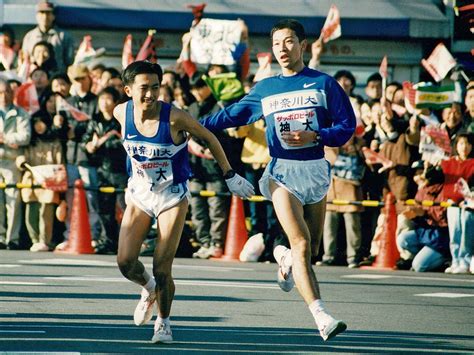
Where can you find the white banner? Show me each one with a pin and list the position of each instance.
(215, 41)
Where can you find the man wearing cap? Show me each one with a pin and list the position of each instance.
(61, 40)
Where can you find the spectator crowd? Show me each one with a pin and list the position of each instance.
(55, 112)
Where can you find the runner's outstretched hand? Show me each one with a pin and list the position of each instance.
(240, 186)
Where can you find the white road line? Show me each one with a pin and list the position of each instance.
(445, 295)
(91, 262)
(178, 328)
(253, 285)
(428, 278)
(366, 276)
(87, 278)
(227, 284)
(85, 262)
(23, 331)
(212, 268)
(22, 283)
(9, 265)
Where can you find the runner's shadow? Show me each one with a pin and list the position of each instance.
(100, 337)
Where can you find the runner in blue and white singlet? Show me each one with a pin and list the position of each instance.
(157, 188)
(304, 110)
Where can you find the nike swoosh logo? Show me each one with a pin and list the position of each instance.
(308, 85)
(131, 136)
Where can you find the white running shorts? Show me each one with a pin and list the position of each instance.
(307, 180)
(154, 203)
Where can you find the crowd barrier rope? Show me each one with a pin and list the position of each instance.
(256, 198)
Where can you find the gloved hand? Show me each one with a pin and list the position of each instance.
(239, 186)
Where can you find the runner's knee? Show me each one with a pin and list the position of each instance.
(126, 265)
(301, 248)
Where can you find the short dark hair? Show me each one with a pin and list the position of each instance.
(62, 76)
(109, 90)
(290, 24)
(374, 77)
(196, 80)
(5, 29)
(46, 44)
(396, 84)
(347, 74)
(99, 66)
(141, 67)
(41, 70)
(114, 73)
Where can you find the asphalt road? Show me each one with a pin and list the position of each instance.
(82, 304)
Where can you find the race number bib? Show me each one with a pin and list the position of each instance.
(299, 120)
(155, 173)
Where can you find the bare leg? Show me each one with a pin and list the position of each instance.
(291, 214)
(135, 227)
(170, 225)
(314, 215)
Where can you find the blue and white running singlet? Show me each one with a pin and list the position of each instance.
(155, 162)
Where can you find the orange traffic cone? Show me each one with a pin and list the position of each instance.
(388, 252)
(236, 231)
(80, 231)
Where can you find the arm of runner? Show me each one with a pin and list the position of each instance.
(244, 112)
(181, 121)
(342, 115)
(119, 113)
(300, 138)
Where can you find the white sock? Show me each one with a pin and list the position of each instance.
(319, 313)
(165, 321)
(281, 251)
(150, 283)
(316, 306)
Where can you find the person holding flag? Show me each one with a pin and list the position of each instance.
(154, 137)
(304, 111)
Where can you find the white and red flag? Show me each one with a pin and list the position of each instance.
(147, 50)
(86, 53)
(410, 94)
(439, 63)
(127, 55)
(63, 105)
(50, 176)
(383, 70)
(27, 98)
(372, 157)
(24, 67)
(332, 26)
(7, 55)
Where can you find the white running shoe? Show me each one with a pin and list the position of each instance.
(330, 327)
(39, 247)
(144, 310)
(162, 334)
(285, 275)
